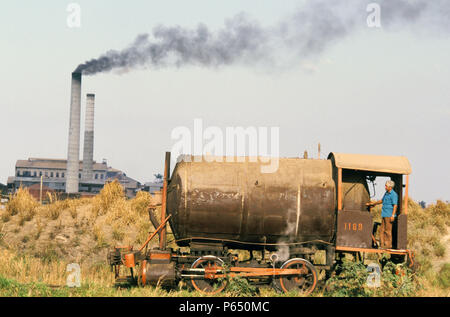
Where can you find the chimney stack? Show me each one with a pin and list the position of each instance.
(73, 153)
(88, 149)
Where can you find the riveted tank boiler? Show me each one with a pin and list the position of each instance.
(237, 201)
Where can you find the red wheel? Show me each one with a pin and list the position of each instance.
(305, 282)
(208, 284)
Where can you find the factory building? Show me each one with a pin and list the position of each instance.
(54, 176)
(72, 175)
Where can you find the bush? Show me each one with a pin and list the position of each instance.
(397, 281)
(141, 202)
(351, 281)
(443, 277)
(22, 204)
(108, 196)
(239, 286)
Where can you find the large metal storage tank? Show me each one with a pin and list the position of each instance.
(234, 200)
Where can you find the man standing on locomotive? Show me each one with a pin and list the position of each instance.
(388, 214)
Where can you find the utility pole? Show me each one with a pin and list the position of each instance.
(40, 192)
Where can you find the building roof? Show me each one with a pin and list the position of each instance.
(375, 163)
(38, 187)
(155, 184)
(54, 164)
(126, 181)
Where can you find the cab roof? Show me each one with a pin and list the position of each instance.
(374, 163)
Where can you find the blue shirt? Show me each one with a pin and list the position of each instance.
(389, 200)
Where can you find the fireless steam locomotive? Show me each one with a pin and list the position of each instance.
(282, 219)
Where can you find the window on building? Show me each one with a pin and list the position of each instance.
(18, 173)
(51, 174)
(40, 174)
(96, 176)
(79, 175)
(46, 174)
(62, 175)
(34, 174)
(57, 174)
(101, 176)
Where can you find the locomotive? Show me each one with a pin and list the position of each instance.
(282, 220)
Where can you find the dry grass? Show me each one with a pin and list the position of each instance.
(429, 237)
(79, 230)
(110, 195)
(26, 269)
(21, 204)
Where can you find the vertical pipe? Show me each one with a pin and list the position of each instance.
(162, 240)
(405, 203)
(339, 189)
(73, 153)
(88, 149)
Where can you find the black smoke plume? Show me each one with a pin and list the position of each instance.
(307, 32)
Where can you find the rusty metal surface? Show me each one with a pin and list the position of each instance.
(129, 260)
(236, 201)
(162, 274)
(354, 229)
(400, 238)
(159, 256)
(162, 235)
(355, 191)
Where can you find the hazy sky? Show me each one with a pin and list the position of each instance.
(374, 91)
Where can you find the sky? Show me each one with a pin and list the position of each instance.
(378, 90)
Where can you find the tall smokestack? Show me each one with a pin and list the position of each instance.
(73, 153)
(88, 149)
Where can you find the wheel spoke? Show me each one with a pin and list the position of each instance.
(304, 282)
(208, 285)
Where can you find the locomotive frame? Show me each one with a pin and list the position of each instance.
(209, 263)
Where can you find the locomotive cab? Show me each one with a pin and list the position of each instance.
(355, 226)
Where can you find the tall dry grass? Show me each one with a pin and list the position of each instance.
(428, 236)
(26, 269)
(112, 202)
(76, 227)
(21, 204)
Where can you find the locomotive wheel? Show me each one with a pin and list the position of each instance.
(208, 285)
(305, 282)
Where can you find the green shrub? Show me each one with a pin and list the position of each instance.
(239, 286)
(350, 280)
(443, 277)
(397, 280)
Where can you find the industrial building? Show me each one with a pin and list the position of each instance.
(72, 175)
(152, 187)
(3, 189)
(54, 176)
